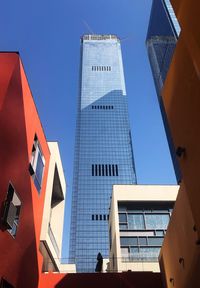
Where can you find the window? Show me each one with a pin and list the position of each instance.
(100, 217)
(142, 241)
(128, 241)
(11, 211)
(124, 252)
(122, 226)
(102, 107)
(136, 221)
(157, 221)
(101, 68)
(102, 170)
(155, 241)
(36, 166)
(122, 217)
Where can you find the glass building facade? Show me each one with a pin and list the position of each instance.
(148, 222)
(162, 36)
(103, 148)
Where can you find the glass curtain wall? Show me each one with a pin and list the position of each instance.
(103, 151)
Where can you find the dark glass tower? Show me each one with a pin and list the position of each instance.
(103, 148)
(162, 35)
(161, 40)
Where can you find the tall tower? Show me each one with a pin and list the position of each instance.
(162, 35)
(103, 147)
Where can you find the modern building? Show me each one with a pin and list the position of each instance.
(162, 36)
(139, 216)
(32, 184)
(180, 254)
(103, 148)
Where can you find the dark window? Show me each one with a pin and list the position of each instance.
(155, 241)
(122, 217)
(97, 217)
(142, 241)
(104, 217)
(95, 170)
(11, 211)
(116, 167)
(110, 170)
(128, 241)
(100, 217)
(92, 216)
(99, 170)
(106, 170)
(36, 167)
(113, 170)
(102, 170)
(123, 226)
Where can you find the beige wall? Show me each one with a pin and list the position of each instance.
(54, 217)
(134, 193)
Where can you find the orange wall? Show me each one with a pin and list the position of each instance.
(181, 97)
(19, 121)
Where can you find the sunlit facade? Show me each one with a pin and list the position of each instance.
(139, 216)
(103, 148)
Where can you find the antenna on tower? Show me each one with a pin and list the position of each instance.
(87, 26)
(125, 38)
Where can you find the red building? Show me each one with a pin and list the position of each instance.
(24, 160)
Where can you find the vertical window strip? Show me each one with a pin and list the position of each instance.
(95, 170)
(113, 170)
(110, 174)
(99, 170)
(92, 169)
(116, 168)
(106, 170)
(103, 170)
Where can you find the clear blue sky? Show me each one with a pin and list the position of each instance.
(47, 35)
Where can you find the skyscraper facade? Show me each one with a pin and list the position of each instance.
(103, 147)
(162, 35)
(161, 40)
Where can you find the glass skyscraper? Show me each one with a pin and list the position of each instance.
(162, 36)
(103, 147)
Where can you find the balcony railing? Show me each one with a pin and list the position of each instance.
(115, 265)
